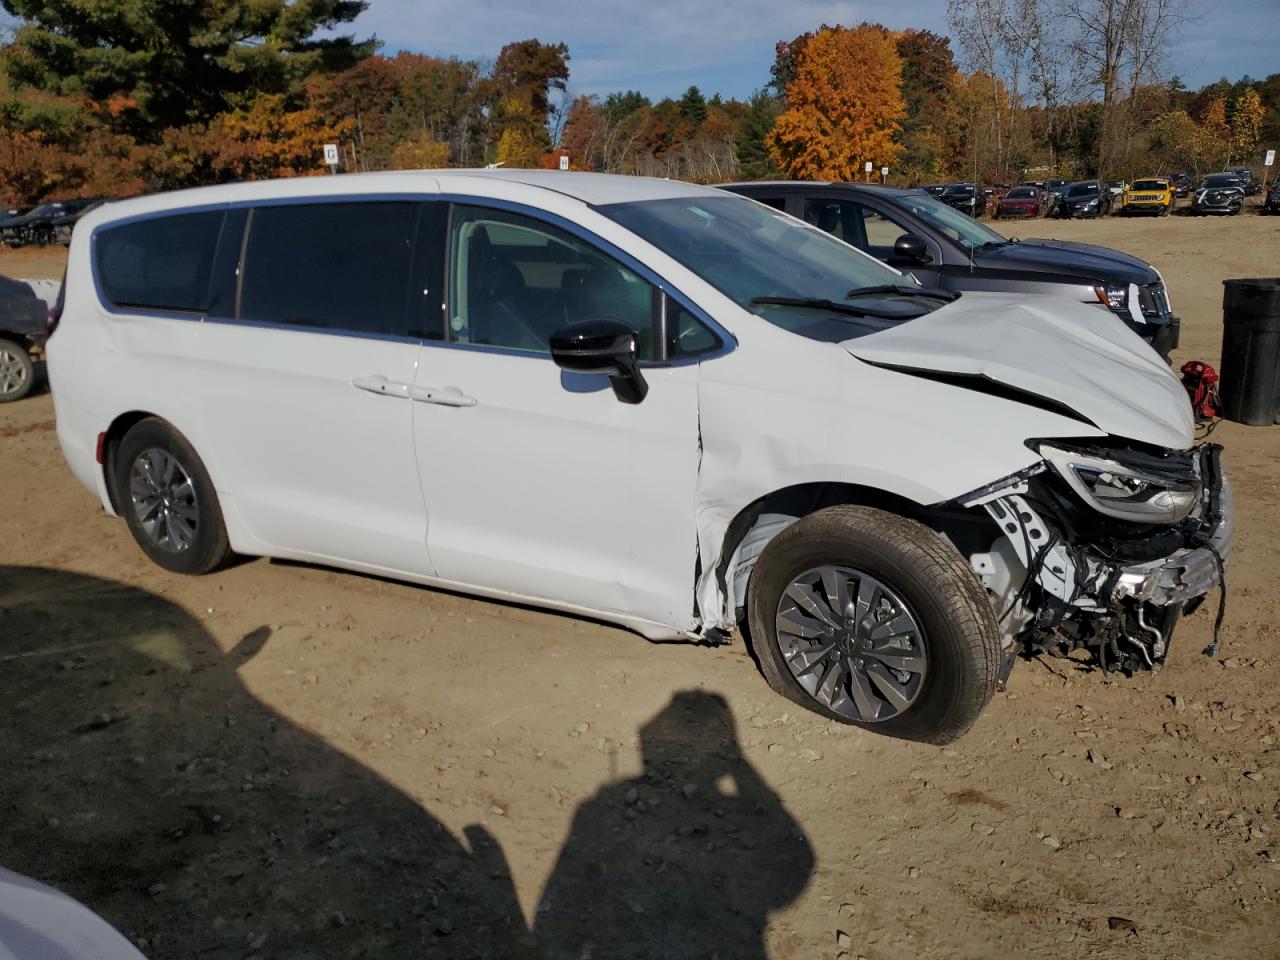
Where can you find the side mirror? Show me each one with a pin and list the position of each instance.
(910, 248)
(605, 346)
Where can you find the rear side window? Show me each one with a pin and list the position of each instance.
(330, 266)
(162, 263)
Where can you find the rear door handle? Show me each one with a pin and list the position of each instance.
(377, 383)
(444, 396)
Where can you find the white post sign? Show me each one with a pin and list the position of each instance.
(564, 161)
(868, 167)
(331, 156)
(1270, 159)
(884, 174)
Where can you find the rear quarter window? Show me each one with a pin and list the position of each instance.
(161, 263)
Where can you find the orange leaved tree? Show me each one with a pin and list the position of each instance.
(844, 105)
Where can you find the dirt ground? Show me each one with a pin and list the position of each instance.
(286, 761)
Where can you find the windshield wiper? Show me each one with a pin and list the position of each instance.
(814, 303)
(902, 289)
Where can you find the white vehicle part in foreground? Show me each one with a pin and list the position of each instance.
(40, 923)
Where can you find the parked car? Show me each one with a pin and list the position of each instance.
(1272, 203)
(1149, 195)
(966, 198)
(12, 213)
(647, 401)
(1218, 193)
(912, 231)
(1020, 202)
(38, 226)
(935, 189)
(60, 227)
(1117, 188)
(1181, 185)
(22, 334)
(1252, 187)
(1085, 198)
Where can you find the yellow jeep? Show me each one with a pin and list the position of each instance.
(1149, 195)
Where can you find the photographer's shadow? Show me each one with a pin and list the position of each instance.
(687, 860)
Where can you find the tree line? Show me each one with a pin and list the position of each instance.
(132, 96)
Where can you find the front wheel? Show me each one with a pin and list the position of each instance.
(17, 372)
(165, 495)
(875, 620)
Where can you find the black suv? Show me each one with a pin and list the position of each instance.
(942, 247)
(1252, 186)
(1085, 198)
(966, 198)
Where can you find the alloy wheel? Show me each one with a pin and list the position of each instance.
(13, 372)
(164, 500)
(851, 642)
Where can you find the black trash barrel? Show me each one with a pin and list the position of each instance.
(1250, 387)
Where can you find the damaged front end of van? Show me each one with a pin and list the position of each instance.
(1104, 547)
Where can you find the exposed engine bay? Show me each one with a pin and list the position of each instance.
(1103, 548)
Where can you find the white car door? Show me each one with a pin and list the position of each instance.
(541, 483)
(308, 378)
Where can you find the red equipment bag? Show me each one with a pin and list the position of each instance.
(1201, 381)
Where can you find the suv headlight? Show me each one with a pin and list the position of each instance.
(1113, 295)
(1121, 491)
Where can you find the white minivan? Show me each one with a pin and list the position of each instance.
(654, 403)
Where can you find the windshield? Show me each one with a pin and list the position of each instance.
(1021, 193)
(1082, 190)
(750, 252)
(1147, 185)
(960, 227)
(958, 190)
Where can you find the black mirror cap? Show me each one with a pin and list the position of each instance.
(911, 248)
(604, 346)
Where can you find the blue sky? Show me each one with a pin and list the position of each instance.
(660, 47)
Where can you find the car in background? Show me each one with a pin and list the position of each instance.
(935, 189)
(1020, 202)
(1117, 188)
(966, 198)
(1252, 187)
(11, 214)
(22, 334)
(643, 401)
(1148, 195)
(1182, 184)
(1272, 203)
(1221, 193)
(941, 247)
(38, 225)
(1084, 198)
(61, 226)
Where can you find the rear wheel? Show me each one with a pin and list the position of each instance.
(17, 372)
(875, 620)
(166, 497)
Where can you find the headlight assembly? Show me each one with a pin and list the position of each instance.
(1121, 491)
(1113, 295)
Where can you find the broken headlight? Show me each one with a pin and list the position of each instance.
(1122, 491)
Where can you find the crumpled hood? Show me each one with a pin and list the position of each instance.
(1073, 354)
(1065, 256)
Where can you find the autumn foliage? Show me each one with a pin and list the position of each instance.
(845, 105)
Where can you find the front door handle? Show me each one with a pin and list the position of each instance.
(377, 383)
(444, 396)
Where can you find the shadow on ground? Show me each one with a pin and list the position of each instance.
(142, 778)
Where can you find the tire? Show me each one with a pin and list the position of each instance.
(176, 520)
(923, 582)
(17, 372)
